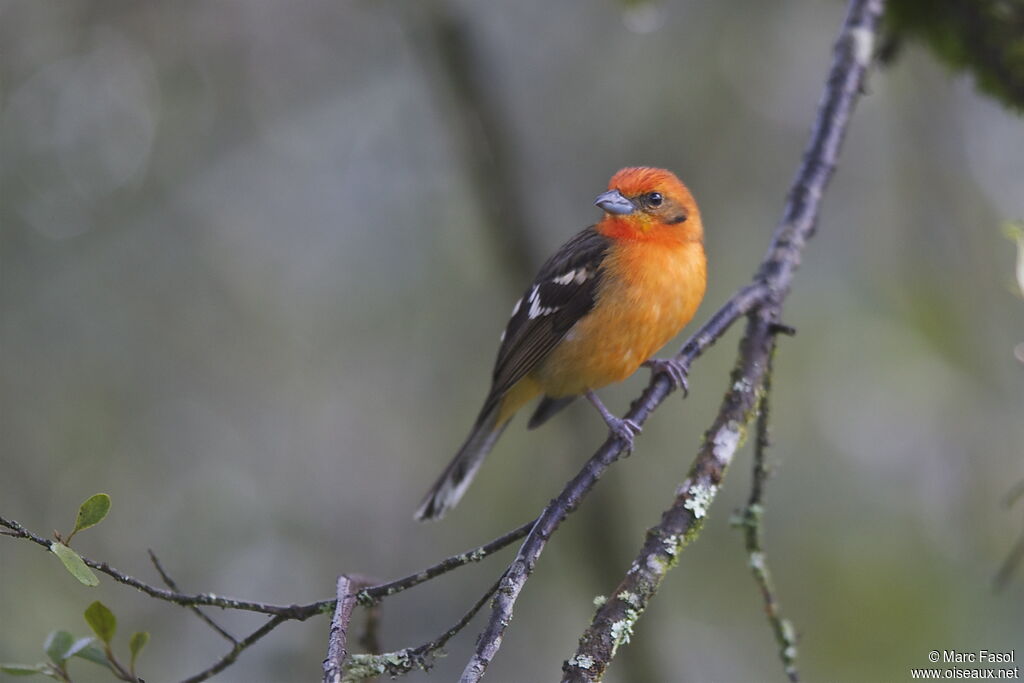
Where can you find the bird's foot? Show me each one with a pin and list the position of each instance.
(625, 430)
(676, 370)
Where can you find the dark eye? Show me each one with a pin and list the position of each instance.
(654, 199)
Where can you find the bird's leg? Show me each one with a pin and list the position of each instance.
(676, 370)
(626, 430)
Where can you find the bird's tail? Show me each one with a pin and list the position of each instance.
(455, 479)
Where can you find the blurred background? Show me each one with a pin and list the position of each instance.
(256, 257)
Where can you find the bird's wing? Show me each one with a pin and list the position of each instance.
(563, 292)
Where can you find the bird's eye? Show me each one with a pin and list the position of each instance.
(654, 199)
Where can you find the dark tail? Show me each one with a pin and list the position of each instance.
(547, 408)
(455, 479)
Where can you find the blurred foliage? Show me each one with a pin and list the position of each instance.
(59, 647)
(985, 37)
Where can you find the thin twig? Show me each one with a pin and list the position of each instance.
(195, 610)
(229, 659)
(403, 661)
(370, 595)
(613, 622)
(297, 612)
(751, 521)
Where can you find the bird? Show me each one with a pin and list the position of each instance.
(598, 309)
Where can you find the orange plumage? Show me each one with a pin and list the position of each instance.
(599, 308)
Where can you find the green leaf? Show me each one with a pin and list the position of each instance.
(24, 669)
(136, 643)
(74, 564)
(57, 645)
(92, 512)
(77, 647)
(93, 654)
(102, 621)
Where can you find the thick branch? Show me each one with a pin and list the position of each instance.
(337, 648)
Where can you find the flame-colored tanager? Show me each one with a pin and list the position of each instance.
(598, 309)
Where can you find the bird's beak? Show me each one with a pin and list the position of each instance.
(612, 201)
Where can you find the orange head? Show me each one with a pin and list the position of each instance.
(649, 204)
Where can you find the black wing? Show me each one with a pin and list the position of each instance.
(562, 293)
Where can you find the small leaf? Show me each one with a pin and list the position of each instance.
(92, 512)
(102, 621)
(93, 654)
(57, 645)
(24, 669)
(74, 564)
(77, 647)
(136, 643)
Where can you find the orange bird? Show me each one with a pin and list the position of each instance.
(598, 309)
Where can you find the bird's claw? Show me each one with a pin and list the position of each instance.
(625, 430)
(675, 370)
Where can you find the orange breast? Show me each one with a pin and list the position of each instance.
(649, 291)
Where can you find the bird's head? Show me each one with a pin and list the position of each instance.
(649, 203)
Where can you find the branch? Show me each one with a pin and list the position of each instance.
(229, 659)
(751, 520)
(613, 622)
(367, 596)
(336, 643)
(405, 660)
(198, 612)
(373, 594)
(300, 612)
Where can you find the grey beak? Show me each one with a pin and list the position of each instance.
(612, 201)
